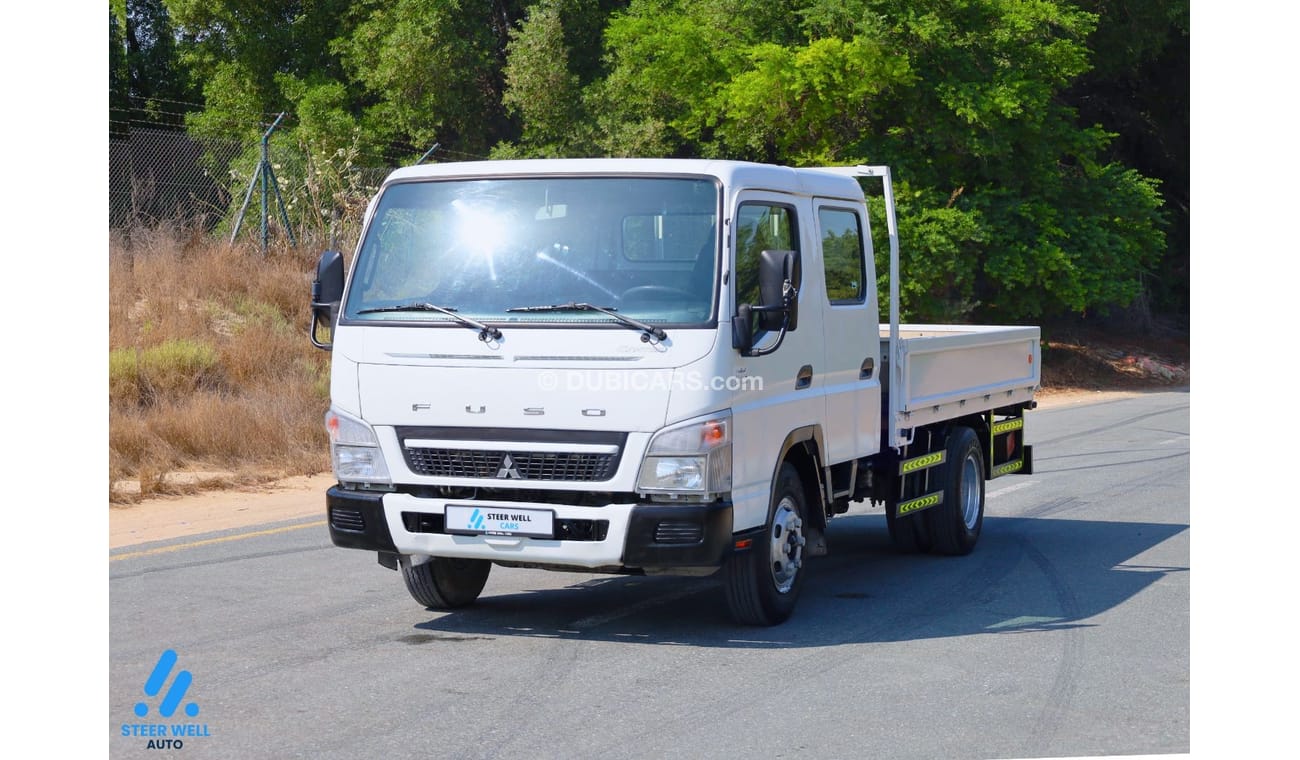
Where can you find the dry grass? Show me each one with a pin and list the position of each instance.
(210, 367)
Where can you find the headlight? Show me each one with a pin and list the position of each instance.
(354, 450)
(693, 459)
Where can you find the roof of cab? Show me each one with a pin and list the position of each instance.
(734, 175)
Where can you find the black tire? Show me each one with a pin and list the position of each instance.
(763, 583)
(909, 534)
(445, 583)
(955, 523)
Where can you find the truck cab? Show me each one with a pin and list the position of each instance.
(629, 366)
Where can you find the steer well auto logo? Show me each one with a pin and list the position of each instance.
(167, 703)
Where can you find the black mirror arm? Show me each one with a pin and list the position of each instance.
(326, 294)
(319, 310)
(791, 296)
(780, 338)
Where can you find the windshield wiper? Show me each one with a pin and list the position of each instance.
(646, 330)
(485, 332)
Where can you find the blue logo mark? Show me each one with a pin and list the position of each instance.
(476, 520)
(174, 695)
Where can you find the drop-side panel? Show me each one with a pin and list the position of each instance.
(953, 370)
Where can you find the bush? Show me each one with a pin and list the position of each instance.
(210, 367)
(171, 370)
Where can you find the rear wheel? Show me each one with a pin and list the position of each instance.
(956, 522)
(445, 583)
(763, 583)
(909, 534)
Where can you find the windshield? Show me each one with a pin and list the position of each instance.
(645, 247)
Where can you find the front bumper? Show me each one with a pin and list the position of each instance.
(356, 520)
(610, 538)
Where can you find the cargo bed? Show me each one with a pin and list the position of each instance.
(948, 371)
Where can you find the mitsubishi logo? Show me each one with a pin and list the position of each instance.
(508, 469)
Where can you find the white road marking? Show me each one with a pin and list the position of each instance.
(1023, 620)
(1009, 489)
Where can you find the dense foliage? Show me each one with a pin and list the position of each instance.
(1037, 144)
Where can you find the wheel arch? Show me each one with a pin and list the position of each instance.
(977, 422)
(803, 448)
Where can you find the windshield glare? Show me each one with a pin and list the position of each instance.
(644, 246)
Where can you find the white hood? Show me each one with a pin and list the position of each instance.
(537, 378)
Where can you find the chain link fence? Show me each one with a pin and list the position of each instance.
(161, 175)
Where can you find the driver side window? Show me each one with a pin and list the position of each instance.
(760, 226)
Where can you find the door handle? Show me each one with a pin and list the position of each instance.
(868, 368)
(804, 378)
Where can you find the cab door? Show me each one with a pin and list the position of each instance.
(782, 391)
(851, 359)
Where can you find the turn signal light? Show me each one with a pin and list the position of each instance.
(714, 433)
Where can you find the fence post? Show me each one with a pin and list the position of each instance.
(428, 153)
(266, 175)
(264, 165)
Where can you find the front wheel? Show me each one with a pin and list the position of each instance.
(763, 582)
(445, 583)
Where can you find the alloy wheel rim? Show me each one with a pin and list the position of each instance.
(970, 495)
(786, 546)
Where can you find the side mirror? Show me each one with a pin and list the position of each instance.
(326, 295)
(780, 274)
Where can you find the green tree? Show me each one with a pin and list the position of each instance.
(666, 60)
(1011, 209)
(432, 70)
(144, 52)
(1140, 89)
(119, 79)
(246, 53)
(1063, 228)
(1027, 136)
(541, 89)
(258, 58)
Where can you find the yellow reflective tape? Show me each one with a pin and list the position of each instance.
(916, 505)
(922, 462)
(1008, 425)
(1007, 468)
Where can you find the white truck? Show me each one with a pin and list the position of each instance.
(666, 366)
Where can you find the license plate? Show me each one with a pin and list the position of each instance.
(499, 521)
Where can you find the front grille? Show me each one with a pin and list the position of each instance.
(679, 532)
(349, 520)
(521, 465)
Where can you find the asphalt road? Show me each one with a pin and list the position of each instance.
(1066, 633)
